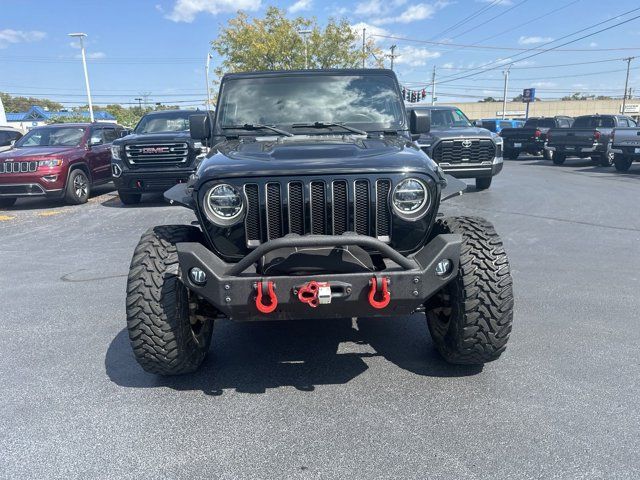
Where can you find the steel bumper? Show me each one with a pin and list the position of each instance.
(232, 288)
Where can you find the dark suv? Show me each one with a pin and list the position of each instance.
(157, 155)
(462, 150)
(315, 203)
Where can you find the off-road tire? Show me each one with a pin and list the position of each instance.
(604, 160)
(129, 198)
(559, 158)
(78, 187)
(548, 154)
(483, 183)
(7, 202)
(512, 154)
(622, 163)
(470, 319)
(167, 334)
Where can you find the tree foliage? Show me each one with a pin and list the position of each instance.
(274, 43)
(22, 104)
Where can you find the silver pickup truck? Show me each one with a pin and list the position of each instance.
(625, 147)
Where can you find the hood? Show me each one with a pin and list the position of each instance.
(458, 132)
(154, 137)
(313, 155)
(38, 152)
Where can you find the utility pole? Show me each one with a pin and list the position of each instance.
(81, 36)
(626, 84)
(206, 76)
(506, 86)
(433, 86)
(305, 34)
(364, 54)
(392, 56)
(139, 100)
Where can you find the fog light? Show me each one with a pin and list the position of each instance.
(50, 178)
(198, 276)
(116, 170)
(443, 267)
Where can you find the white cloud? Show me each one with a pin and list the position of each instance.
(544, 84)
(414, 56)
(533, 40)
(187, 10)
(93, 55)
(413, 13)
(593, 44)
(300, 6)
(9, 36)
(371, 32)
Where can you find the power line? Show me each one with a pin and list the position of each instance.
(467, 18)
(490, 20)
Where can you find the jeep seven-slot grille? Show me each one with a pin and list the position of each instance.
(18, 167)
(157, 154)
(464, 151)
(317, 207)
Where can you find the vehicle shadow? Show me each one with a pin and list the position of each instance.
(149, 200)
(255, 356)
(42, 203)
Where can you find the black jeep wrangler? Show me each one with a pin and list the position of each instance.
(157, 155)
(315, 203)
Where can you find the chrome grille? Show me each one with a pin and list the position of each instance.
(157, 154)
(18, 167)
(459, 151)
(331, 207)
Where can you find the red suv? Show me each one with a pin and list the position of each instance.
(58, 161)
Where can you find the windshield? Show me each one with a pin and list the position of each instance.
(52, 137)
(164, 122)
(449, 118)
(593, 122)
(368, 102)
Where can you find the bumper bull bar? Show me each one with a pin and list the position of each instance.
(401, 288)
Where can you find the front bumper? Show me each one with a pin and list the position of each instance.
(466, 170)
(147, 180)
(232, 288)
(20, 190)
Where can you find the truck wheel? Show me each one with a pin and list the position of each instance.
(622, 164)
(559, 158)
(129, 198)
(470, 319)
(7, 202)
(547, 154)
(78, 187)
(483, 183)
(513, 154)
(605, 160)
(167, 334)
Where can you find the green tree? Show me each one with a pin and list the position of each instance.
(22, 104)
(273, 43)
(488, 99)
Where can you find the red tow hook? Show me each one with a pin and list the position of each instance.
(266, 290)
(382, 293)
(309, 293)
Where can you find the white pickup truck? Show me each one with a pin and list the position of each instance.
(625, 146)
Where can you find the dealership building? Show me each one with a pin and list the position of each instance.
(37, 116)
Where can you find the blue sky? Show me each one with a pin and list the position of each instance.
(159, 47)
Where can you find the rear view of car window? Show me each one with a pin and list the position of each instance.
(593, 122)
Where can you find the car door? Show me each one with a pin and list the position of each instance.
(99, 155)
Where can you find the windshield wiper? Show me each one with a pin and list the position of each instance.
(328, 125)
(259, 126)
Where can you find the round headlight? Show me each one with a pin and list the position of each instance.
(223, 204)
(410, 198)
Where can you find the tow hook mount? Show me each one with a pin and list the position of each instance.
(266, 299)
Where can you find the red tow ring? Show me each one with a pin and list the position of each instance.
(379, 298)
(266, 292)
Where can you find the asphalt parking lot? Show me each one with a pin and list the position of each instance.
(370, 399)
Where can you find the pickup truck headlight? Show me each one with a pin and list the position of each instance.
(410, 199)
(115, 152)
(55, 162)
(223, 204)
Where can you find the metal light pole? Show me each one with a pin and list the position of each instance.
(139, 100)
(305, 34)
(506, 86)
(626, 84)
(392, 56)
(81, 36)
(433, 86)
(206, 73)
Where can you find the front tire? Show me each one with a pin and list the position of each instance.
(129, 198)
(559, 158)
(548, 154)
(78, 188)
(483, 183)
(512, 154)
(470, 319)
(7, 202)
(622, 163)
(604, 160)
(167, 333)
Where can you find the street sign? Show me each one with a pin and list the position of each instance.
(630, 108)
(528, 95)
(512, 113)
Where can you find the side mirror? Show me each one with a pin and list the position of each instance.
(124, 133)
(199, 126)
(12, 143)
(419, 121)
